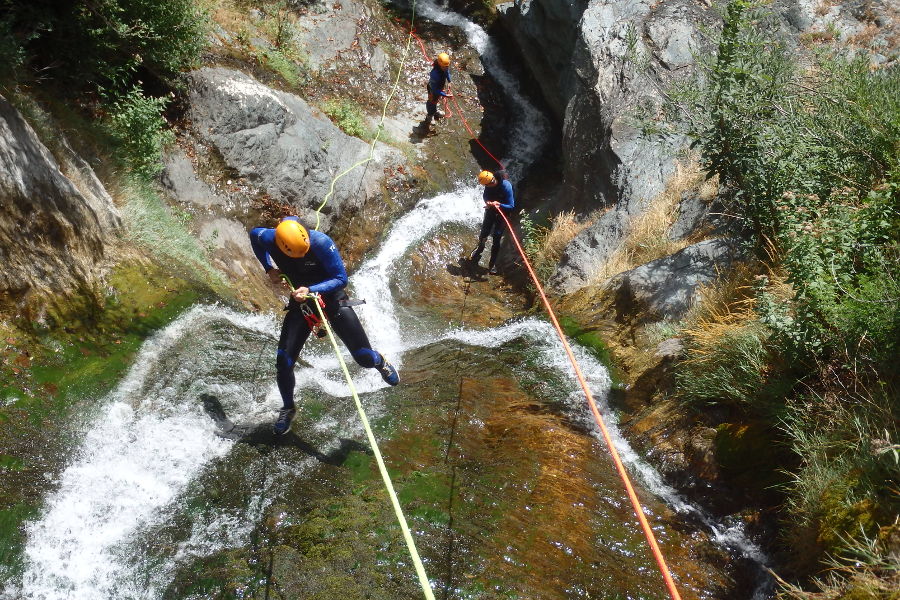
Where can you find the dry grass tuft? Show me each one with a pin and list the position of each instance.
(563, 230)
(729, 304)
(647, 238)
(553, 240)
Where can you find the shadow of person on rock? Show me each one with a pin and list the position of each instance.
(466, 268)
(261, 435)
(421, 131)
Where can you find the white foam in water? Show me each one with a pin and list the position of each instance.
(140, 452)
(371, 282)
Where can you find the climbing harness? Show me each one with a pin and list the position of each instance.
(623, 474)
(398, 511)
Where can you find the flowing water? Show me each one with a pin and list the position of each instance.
(508, 488)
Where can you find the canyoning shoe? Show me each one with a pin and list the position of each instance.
(493, 270)
(283, 423)
(388, 372)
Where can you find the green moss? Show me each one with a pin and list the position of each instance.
(425, 494)
(360, 466)
(593, 341)
(12, 537)
(313, 410)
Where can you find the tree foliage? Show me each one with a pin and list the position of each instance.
(806, 145)
(809, 152)
(125, 54)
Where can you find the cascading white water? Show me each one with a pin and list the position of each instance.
(528, 136)
(146, 445)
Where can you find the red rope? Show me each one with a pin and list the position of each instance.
(471, 133)
(623, 474)
(642, 518)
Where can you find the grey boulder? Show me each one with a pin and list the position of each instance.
(282, 145)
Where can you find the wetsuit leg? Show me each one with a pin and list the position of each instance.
(347, 326)
(495, 249)
(294, 332)
(487, 224)
(431, 104)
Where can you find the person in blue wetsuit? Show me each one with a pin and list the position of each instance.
(437, 81)
(498, 193)
(312, 265)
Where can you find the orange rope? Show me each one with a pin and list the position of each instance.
(623, 474)
(648, 532)
(475, 137)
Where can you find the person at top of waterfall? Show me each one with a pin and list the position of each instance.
(437, 81)
(310, 263)
(498, 193)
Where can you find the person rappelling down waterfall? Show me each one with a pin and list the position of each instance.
(498, 193)
(437, 81)
(310, 262)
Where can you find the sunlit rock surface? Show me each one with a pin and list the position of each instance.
(282, 145)
(53, 229)
(596, 60)
(667, 287)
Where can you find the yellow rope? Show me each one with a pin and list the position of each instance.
(420, 568)
(380, 123)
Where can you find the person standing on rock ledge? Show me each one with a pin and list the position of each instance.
(437, 81)
(310, 263)
(498, 193)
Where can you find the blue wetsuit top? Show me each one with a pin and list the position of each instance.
(321, 270)
(502, 193)
(437, 80)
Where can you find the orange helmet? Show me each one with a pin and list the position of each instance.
(292, 238)
(443, 59)
(486, 178)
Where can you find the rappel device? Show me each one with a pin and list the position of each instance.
(312, 319)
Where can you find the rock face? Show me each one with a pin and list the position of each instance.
(666, 288)
(53, 229)
(281, 145)
(622, 52)
(595, 60)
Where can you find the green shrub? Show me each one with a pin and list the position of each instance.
(137, 125)
(347, 115)
(107, 49)
(809, 156)
(847, 448)
(102, 44)
(12, 54)
(730, 371)
(281, 64)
